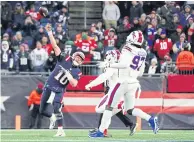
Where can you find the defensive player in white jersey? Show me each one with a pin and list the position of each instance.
(109, 77)
(131, 65)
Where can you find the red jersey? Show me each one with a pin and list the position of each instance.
(86, 46)
(110, 41)
(34, 15)
(163, 47)
(48, 48)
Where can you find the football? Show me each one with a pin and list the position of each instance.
(43, 11)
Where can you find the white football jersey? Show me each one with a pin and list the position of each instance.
(135, 59)
(113, 78)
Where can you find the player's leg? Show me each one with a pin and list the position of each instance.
(129, 104)
(33, 116)
(127, 122)
(58, 113)
(46, 109)
(114, 94)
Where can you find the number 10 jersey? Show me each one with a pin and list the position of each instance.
(58, 81)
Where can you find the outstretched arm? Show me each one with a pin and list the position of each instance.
(52, 40)
(100, 79)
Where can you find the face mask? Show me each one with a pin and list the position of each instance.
(75, 63)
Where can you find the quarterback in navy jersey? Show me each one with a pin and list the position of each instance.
(65, 72)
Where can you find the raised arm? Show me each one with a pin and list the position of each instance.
(52, 40)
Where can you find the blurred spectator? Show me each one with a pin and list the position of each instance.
(51, 62)
(24, 59)
(6, 14)
(162, 46)
(190, 28)
(153, 68)
(29, 26)
(179, 46)
(47, 46)
(151, 32)
(70, 48)
(135, 24)
(123, 31)
(39, 34)
(135, 10)
(167, 66)
(94, 33)
(60, 33)
(34, 105)
(165, 9)
(176, 35)
(32, 13)
(38, 57)
(18, 17)
(111, 15)
(110, 40)
(187, 12)
(6, 38)
(7, 60)
(61, 16)
(87, 47)
(185, 60)
(18, 39)
(100, 30)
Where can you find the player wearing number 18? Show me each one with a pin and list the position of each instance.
(66, 71)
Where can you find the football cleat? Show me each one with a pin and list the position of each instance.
(93, 131)
(133, 129)
(154, 124)
(97, 134)
(52, 121)
(60, 133)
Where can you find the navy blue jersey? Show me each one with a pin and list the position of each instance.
(58, 81)
(5, 59)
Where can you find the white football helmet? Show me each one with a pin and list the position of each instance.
(81, 55)
(136, 38)
(112, 56)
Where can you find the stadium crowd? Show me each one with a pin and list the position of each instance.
(168, 28)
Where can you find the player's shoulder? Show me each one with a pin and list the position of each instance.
(76, 71)
(142, 52)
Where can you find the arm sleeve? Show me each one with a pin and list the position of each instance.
(104, 13)
(30, 99)
(102, 78)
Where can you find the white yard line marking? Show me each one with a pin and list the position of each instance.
(100, 139)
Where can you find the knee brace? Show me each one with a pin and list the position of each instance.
(130, 111)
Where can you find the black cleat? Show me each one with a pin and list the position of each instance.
(133, 129)
(94, 130)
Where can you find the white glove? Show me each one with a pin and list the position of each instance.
(88, 87)
(31, 107)
(104, 65)
(68, 74)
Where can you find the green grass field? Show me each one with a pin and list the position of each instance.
(75, 135)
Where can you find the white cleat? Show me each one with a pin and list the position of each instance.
(52, 121)
(60, 133)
